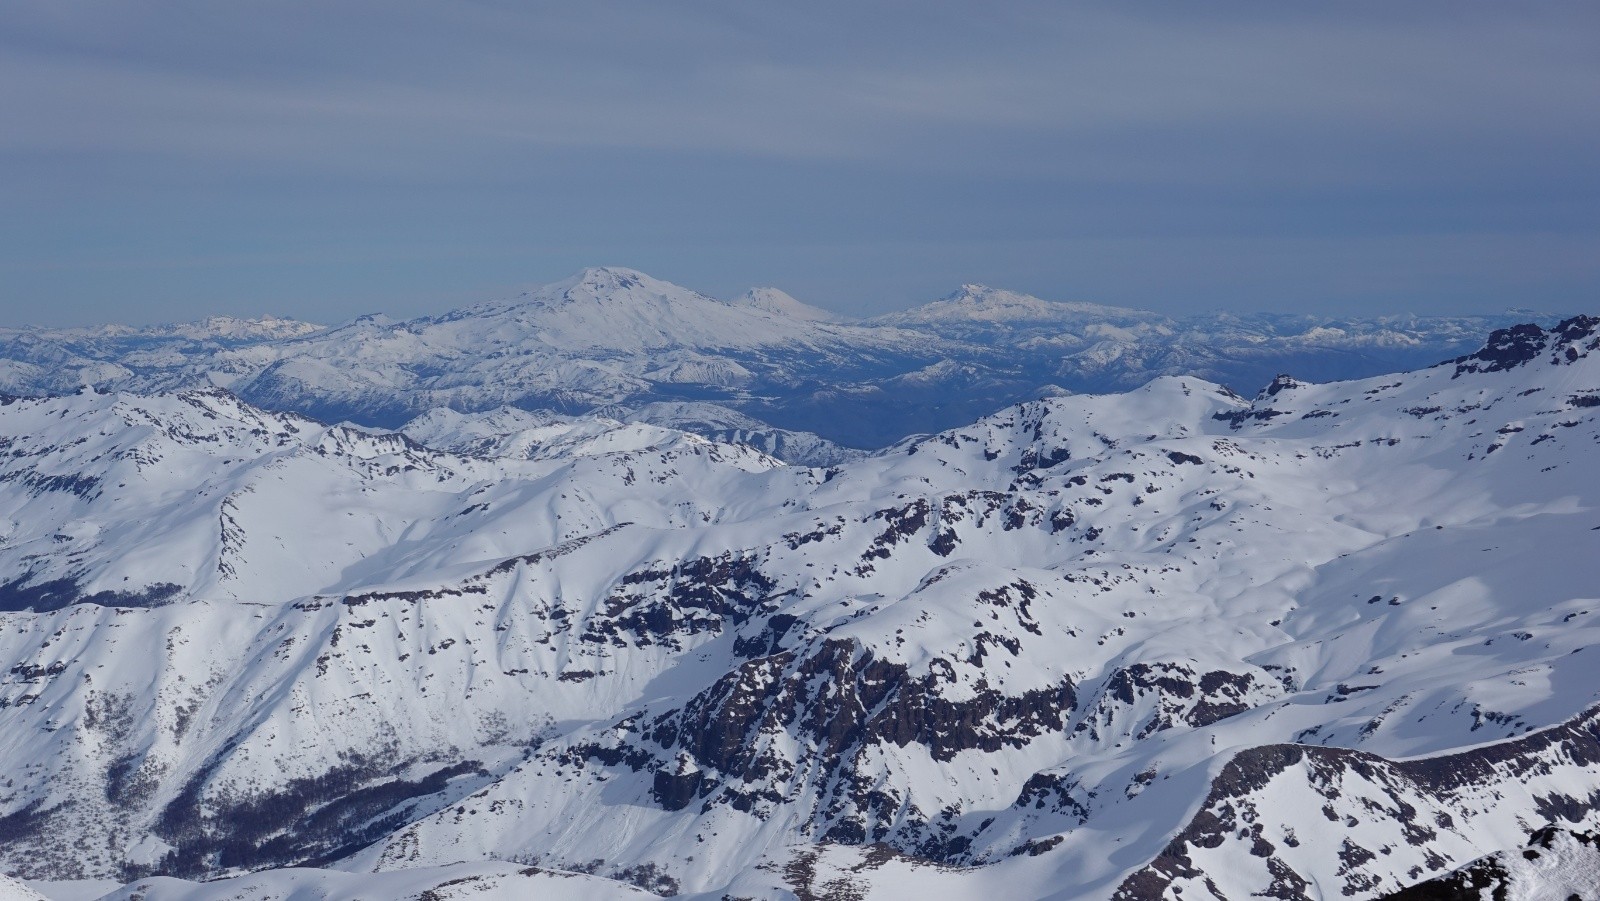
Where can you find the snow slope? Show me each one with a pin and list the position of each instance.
(1326, 642)
(978, 308)
(12, 890)
(480, 882)
(1556, 864)
(732, 427)
(773, 300)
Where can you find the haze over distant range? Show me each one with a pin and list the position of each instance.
(620, 344)
(169, 161)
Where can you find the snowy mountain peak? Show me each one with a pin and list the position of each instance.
(624, 309)
(612, 278)
(1283, 382)
(982, 305)
(772, 300)
(998, 303)
(606, 282)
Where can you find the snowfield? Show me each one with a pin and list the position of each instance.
(1326, 642)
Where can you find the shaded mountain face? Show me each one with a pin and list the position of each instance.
(1327, 642)
(616, 337)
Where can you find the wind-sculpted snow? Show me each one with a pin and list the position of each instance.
(1322, 643)
(612, 337)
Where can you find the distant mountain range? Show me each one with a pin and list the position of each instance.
(618, 340)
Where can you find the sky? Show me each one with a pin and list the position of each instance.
(165, 161)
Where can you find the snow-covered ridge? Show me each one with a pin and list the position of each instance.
(512, 432)
(1328, 641)
(773, 300)
(216, 328)
(973, 304)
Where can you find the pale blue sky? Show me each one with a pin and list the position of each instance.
(164, 161)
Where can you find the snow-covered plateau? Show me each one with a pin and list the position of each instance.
(1328, 642)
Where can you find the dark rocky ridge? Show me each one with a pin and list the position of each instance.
(1570, 340)
(1229, 814)
(1490, 877)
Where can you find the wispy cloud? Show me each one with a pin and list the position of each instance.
(1329, 112)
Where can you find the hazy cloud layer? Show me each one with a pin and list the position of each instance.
(167, 160)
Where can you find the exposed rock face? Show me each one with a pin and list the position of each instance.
(1555, 864)
(1507, 348)
(1144, 698)
(841, 704)
(1438, 805)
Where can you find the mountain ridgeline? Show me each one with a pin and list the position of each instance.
(1327, 641)
(619, 340)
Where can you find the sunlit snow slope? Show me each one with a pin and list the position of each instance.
(1327, 642)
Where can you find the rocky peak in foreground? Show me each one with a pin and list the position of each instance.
(1507, 348)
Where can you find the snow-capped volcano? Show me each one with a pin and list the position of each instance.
(623, 311)
(981, 305)
(773, 300)
(604, 336)
(1325, 643)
